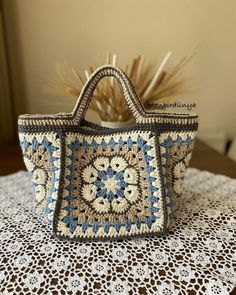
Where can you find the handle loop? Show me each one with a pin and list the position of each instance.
(132, 99)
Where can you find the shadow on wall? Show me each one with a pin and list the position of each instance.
(12, 90)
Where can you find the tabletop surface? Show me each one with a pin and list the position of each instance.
(204, 158)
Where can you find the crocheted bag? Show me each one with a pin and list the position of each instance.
(96, 182)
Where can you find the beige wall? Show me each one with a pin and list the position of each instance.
(6, 116)
(44, 32)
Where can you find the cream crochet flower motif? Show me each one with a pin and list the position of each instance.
(213, 244)
(160, 257)
(100, 267)
(60, 263)
(76, 283)
(215, 287)
(166, 288)
(110, 184)
(120, 254)
(200, 258)
(179, 172)
(22, 261)
(14, 246)
(34, 280)
(119, 287)
(185, 273)
(141, 271)
(39, 178)
(83, 250)
(48, 248)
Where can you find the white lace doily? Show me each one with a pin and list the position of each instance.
(198, 256)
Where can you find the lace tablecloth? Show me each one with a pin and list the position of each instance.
(198, 256)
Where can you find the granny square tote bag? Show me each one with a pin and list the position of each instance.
(94, 182)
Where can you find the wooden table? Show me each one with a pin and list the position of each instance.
(204, 158)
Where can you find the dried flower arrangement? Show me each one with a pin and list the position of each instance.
(152, 86)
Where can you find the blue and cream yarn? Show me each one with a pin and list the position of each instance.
(111, 184)
(95, 182)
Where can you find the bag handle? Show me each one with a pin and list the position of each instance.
(132, 99)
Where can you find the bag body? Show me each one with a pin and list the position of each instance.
(94, 182)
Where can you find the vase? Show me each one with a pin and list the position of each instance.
(118, 124)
